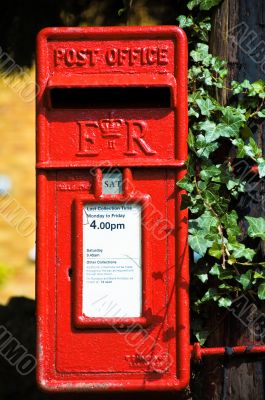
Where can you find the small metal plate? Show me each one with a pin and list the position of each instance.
(112, 182)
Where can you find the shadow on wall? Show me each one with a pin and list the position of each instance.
(17, 342)
(21, 20)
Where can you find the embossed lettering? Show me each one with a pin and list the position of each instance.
(87, 138)
(81, 57)
(76, 187)
(134, 56)
(135, 134)
(162, 58)
(75, 57)
(149, 55)
(141, 55)
(58, 56)
(123, 56)
(70, 57)
(112, 130)
(85, 57)
(112, 56)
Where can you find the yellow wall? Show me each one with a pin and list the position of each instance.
(17, 157)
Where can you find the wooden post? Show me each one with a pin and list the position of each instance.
(235, 378)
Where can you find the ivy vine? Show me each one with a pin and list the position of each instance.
(225, 259)
(223, 160)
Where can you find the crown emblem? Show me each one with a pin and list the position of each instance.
(111, 128)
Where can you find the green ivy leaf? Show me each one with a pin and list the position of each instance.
(245, 279)
(201, 336)
(231, 122)
(202, 277)
(211, 131)
(224, 302)
(205, 24)
(213, 198)
(207, 75)
(232, 183)
(241, 251)
(209, 171)
(196, 95)
(194, 73)
(238, 87)
(252, 149)
(202, 185)
(258, 275)
(198, 242)
(227, 287)
(256, 227)
(191, 140)
(229, 126)
(204, 148)
(193, 113)
(261, 166)
(240, 144)
(185, 201)
(261, 113)
(261, 291)
(216, 250)
(203, 29)
(201, 54)
(208, 4)
(230, 222)
(257, 88)
(211, 294)
(206, 106)
(186, 184)
(121, 11)
(203, 4)
(193, 3)
(215, 270)
(225, 275)
(194, 203)
(206, 221)
(184, 21)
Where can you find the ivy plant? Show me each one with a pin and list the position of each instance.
(223, 157)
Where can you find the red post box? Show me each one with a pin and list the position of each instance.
(112, 257)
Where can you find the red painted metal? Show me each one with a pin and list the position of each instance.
(198, 352)
(149, 145)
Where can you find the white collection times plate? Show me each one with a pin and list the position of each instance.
(112, 260)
